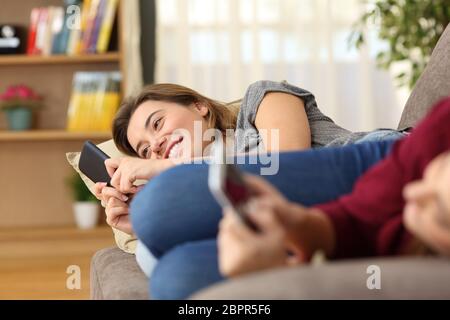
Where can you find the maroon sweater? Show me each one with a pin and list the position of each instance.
(368, 221)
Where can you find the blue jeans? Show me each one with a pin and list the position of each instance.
(177, 218)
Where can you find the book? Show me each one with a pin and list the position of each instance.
(73, 47)
(86, 8)
(92, 44)
(57, 24)
(34, 20)
(48, 33)
(104, 36)
(41, 31)
(90, 24)
(108, 106)
(52, 28)
(94, 101)
(69, 10)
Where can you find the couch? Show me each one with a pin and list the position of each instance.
(115, 274)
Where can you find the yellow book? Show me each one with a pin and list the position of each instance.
(91, 96)
(80, 123)
(76, 100)
(97, 107)
(108, 101)
(106, 28)
(84, 17)
(110, 105)
(94, 101)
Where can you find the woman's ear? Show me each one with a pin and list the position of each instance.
(201, 108)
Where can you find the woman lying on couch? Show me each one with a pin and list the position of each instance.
(157, 128)
(344, 219)
(148, 129)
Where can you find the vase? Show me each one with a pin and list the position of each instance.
(86, 214)
(19, 119)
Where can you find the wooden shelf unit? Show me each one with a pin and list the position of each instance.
(51, 135)
(33, 165)
(22, 59)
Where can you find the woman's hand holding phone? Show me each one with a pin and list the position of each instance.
(116, 207)
(125, 171)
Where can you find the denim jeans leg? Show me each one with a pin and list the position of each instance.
(177, 207)
(184, 270)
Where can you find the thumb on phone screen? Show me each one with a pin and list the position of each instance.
(112, 165)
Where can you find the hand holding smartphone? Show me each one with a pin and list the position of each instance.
(92, 163)
(227, 184)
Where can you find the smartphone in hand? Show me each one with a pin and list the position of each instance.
(227, 185)
(92, 163)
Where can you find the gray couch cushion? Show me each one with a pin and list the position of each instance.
(116, 275)
(433, 84)
(401, 278)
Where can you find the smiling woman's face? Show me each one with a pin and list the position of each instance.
(154, 130)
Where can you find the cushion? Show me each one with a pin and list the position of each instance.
(401, 278)
(124, 241)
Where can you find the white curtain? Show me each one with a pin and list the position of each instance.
(219, 47)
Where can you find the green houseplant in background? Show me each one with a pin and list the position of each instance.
(19, 102)
(85, 206)
(411, 29)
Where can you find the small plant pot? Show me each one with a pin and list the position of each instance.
(86, 214)
(19, 119)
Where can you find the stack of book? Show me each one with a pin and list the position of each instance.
(94, 101)
(80, 27)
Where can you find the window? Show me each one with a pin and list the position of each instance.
(219, 47)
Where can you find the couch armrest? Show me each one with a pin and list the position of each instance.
(401, 278)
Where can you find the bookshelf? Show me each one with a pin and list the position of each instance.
(51, 135)
(33, 166)
(22, 59)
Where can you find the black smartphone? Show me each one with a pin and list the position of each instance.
(92, 163)
(227, 185)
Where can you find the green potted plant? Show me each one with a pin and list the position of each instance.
(85, 206)
(19, 102)
(411, 29)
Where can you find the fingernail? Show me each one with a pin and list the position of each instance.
(125, 198)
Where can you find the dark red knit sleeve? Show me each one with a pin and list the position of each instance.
(368, 220)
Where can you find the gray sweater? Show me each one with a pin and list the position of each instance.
(323, 130)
